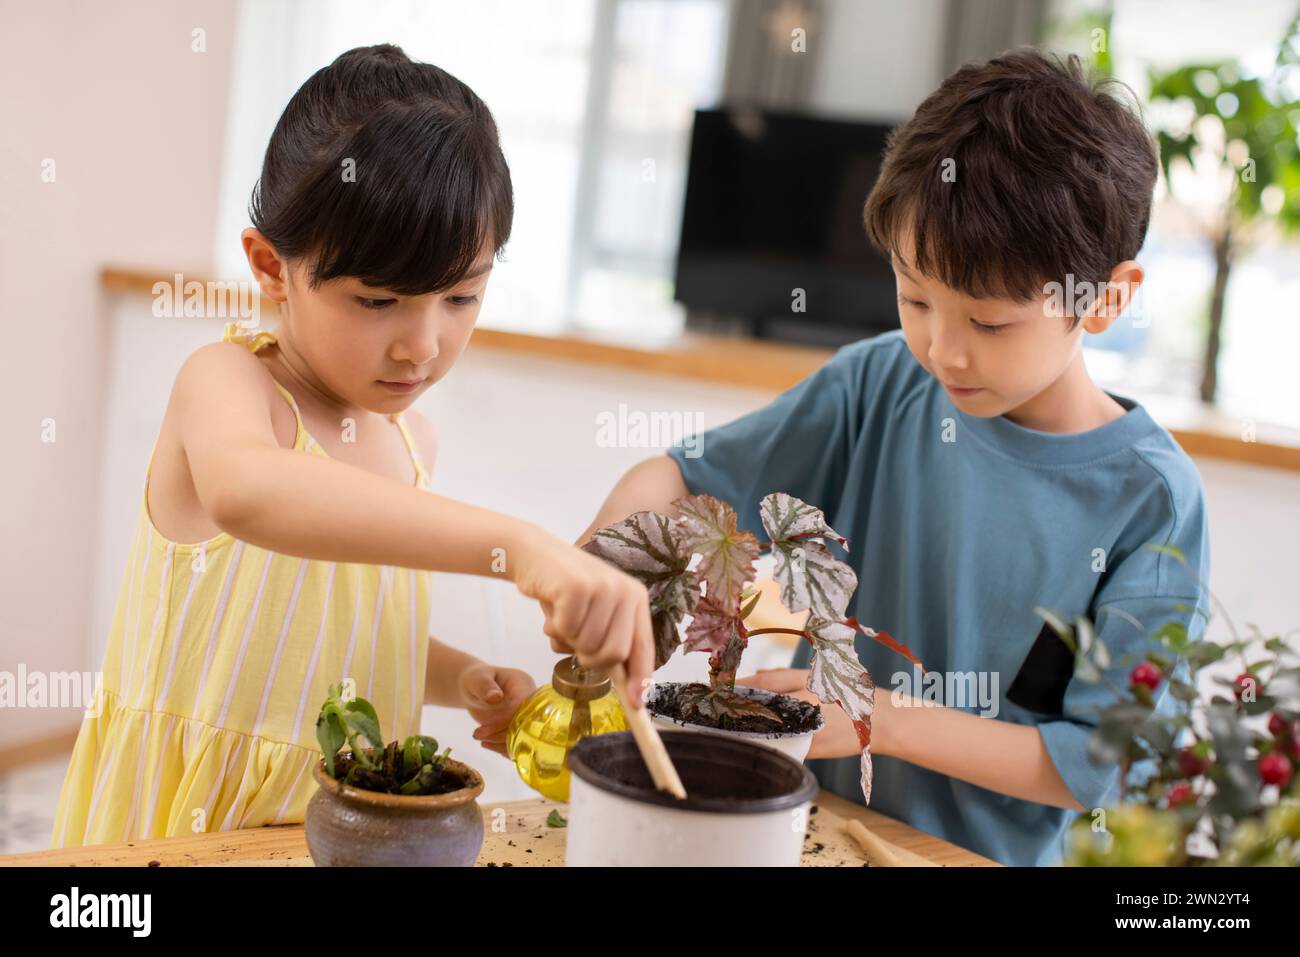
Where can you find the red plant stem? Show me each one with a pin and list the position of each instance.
(781, 631)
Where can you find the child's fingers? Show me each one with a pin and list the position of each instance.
(516, 684)
(564, 617)
(481, 688)
(642, 660)
(594, 638)
(618, 636)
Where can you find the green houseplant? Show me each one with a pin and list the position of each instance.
(388, 804)
(1212, 781)
(1245, 127)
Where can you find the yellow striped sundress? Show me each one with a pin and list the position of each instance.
(218, 660)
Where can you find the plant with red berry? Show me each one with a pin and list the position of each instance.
(1221, 772)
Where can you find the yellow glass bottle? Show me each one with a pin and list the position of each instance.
(578, 702)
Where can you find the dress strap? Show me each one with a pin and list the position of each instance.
(255, 340)
(421, 476)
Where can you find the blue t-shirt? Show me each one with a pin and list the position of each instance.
(958, 527)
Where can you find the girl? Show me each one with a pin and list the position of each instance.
(286, 529)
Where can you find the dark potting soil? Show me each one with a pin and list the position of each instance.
(796, 716)
(721, 775)
(383, 779)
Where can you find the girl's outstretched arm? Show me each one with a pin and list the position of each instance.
(324, 509)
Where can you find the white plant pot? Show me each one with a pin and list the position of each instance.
(795, 745)
(746, 805)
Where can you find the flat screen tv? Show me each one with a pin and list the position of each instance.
(774, 205)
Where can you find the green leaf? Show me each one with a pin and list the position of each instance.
(1262, 704)
(412, 758)
(331, 734)
(556, 819)
(364, 707)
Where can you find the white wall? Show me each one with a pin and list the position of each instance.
(133, 120)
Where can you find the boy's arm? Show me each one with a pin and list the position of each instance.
(649, 486)
(998, 755)
(798, 443)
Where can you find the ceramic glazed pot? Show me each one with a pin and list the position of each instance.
(746, 804)
(352, 827)
(795, 744)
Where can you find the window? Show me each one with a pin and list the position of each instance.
(594, 101)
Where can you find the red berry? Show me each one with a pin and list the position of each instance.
(1191, 763)
(1278, 725)
(1245, 681)
(1181, 794)
(1274, 768)
(1146, 674)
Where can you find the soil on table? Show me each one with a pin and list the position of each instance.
(385, 778)
(796, 716)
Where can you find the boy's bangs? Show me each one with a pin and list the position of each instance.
(426, 200)
(972, 235)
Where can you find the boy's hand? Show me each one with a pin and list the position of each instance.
(592, 609)
(492, 695)
(837, 738)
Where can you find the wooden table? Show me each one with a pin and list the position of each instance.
(516, 835)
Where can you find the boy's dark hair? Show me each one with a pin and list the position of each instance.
(430, 187)
(1053, 176)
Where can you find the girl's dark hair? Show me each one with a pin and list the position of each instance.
(1050, 176)
(429, 187)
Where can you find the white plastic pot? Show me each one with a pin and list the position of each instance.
(796, 745)
(746, 805)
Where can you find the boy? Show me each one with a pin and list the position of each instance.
(976, 470)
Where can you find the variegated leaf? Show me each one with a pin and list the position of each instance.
(786, 517)
(708, 526)
(837, 676)
(646, 545)
(649, 547)
(811, 577)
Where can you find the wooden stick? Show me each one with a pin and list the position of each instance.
(647, 738)
(877, 851)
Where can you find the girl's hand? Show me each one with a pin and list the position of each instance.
(492, 695)
(837, 738)
(592, 609)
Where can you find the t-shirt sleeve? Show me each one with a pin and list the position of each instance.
(1125, 621)
(800, 443)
